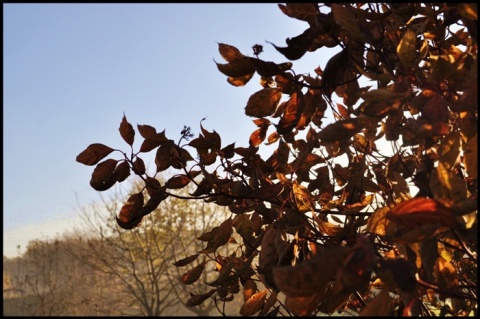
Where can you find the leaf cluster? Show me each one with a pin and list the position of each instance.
(316, 228)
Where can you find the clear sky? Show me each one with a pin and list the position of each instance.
(72, 70)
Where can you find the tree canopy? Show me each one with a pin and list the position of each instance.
(374, 211)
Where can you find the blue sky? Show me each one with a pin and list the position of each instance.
(72, 70)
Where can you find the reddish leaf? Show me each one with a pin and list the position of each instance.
(292, 113)
(164, 157)
(93, 154)
(240, 80)
(103, 176)
(126, 131)
(212, 137)
(229, 52)
(185, 261)
(341, 130)
(421, 211)
(263, 103)
(237, 68)
(122, 171)
(193, 274)
(139, 166)
(258, 136)
(301, 11)
(149, 144)
(178, 181)
(129, 216)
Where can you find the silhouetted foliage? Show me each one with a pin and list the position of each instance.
(332, 220)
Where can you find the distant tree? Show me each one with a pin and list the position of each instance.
(331, 220)
(140, 262)
(42, 279)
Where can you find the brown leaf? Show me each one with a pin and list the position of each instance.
(249, 289)
(229, 52)
(103, 176)
(263, 103)
(149, 144)
(178, 181)
(221, 235)
(271, 300)
(164, 156)
(304, 306)
(122, 171)
(382, 305)
(126, 131)
(292, 113)
(406, 49)
(304, 200)
(196, 300)
(301, 11)
(341, 130)
(240, 80)
(422, 211)
(129, 216)
(269, 69)
(447, 186)
(185, 261)
(237, 68)
(258, 136)
(298, 45)
(193, 274)
(253, 304)
(311, 275)
(139, 166)
(93, 154)
(347, 20)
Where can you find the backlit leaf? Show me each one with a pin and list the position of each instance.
(263, 103)
(193, 274)
(341, 130)
(240, 80)
(126, 131)
(237, 68)
(178, 181)
(129, 216)
(93, 154)
(422, 211)
(301, 11)
(446, 185)
(254, 303)
(229, 52)
(249, 289)
(406, 49)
